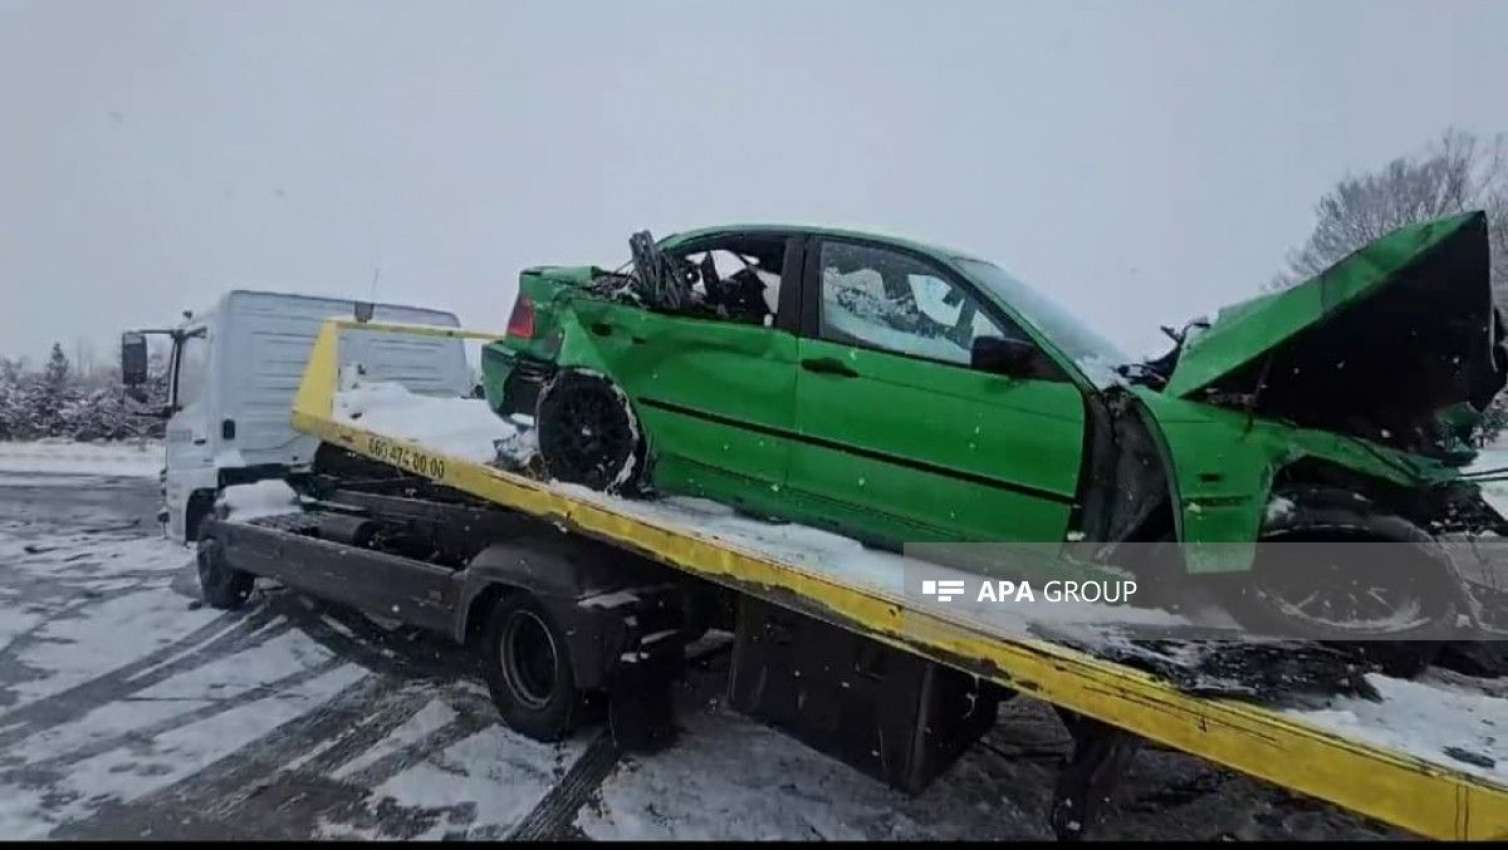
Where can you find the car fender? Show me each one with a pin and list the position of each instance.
(580, 347)
(1222, 464)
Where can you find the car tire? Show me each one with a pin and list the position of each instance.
(222, 585)
(1424, 603)
(589, 434)
(529, 669)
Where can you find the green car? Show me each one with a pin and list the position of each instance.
(903, 393)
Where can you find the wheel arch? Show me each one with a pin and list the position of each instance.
(1223, 468)
(560, 571)
(642, 462)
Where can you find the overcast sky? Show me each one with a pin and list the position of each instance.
(1141, 161)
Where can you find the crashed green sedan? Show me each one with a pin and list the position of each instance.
(902, 393)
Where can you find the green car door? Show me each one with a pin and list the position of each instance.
(901, 438)
(716, 395)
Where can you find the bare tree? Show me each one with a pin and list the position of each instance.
(1457, 173)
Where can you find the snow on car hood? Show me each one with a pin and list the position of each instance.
(1379, 345)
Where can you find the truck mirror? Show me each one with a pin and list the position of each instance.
(133, 359)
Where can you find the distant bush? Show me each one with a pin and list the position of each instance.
(58, 401)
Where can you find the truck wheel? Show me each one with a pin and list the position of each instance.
(223, 586)
(588, 434)
(529, 669)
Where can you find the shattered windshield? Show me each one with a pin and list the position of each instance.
(1092, 352)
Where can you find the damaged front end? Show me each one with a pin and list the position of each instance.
(1342, 410)
(1398, 344)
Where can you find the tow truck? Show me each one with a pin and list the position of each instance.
(579, 601)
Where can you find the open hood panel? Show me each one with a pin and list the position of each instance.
(1380, 345)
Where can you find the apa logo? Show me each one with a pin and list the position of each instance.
(943, 589)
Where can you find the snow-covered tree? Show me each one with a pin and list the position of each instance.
(1458, 173)
(47, 394)
(100, 415)
(10, 397)
(60, 401)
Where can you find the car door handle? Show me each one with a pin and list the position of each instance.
(829, 366)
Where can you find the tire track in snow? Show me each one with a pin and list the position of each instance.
(24, 638)
(264, 789)
(242, 633)
(553, 818)
(254, 793)
(50, 770)
(467, 724)
(398, 709)
(208, 643)
(203, 804)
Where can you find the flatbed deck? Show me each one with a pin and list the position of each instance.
(1429, 797)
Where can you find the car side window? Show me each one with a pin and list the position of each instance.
(736, 278)
(890, 300)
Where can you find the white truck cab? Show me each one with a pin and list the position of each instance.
(233, 374)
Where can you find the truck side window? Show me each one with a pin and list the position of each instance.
(193, 370)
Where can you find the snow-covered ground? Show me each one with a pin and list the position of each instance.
(133, 459)
(127, 710)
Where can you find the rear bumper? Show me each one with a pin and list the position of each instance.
(512, 382)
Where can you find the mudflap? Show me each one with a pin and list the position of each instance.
(1101, 755)
(641, 713)
(650, 635)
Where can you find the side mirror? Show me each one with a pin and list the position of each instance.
(1001, 356)
(133, 359)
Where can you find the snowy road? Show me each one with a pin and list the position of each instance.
(127, 710)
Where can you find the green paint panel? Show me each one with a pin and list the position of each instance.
(1242, 332)
(953, 453)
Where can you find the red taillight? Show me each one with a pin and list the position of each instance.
(521, 323)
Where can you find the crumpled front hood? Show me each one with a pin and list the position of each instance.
(1379, 345)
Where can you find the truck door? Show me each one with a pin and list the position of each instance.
(189, 441)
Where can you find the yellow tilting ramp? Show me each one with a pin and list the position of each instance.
(1431, 799)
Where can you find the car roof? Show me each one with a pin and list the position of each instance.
(947, 255)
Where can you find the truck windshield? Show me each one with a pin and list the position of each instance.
(1092, 352)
